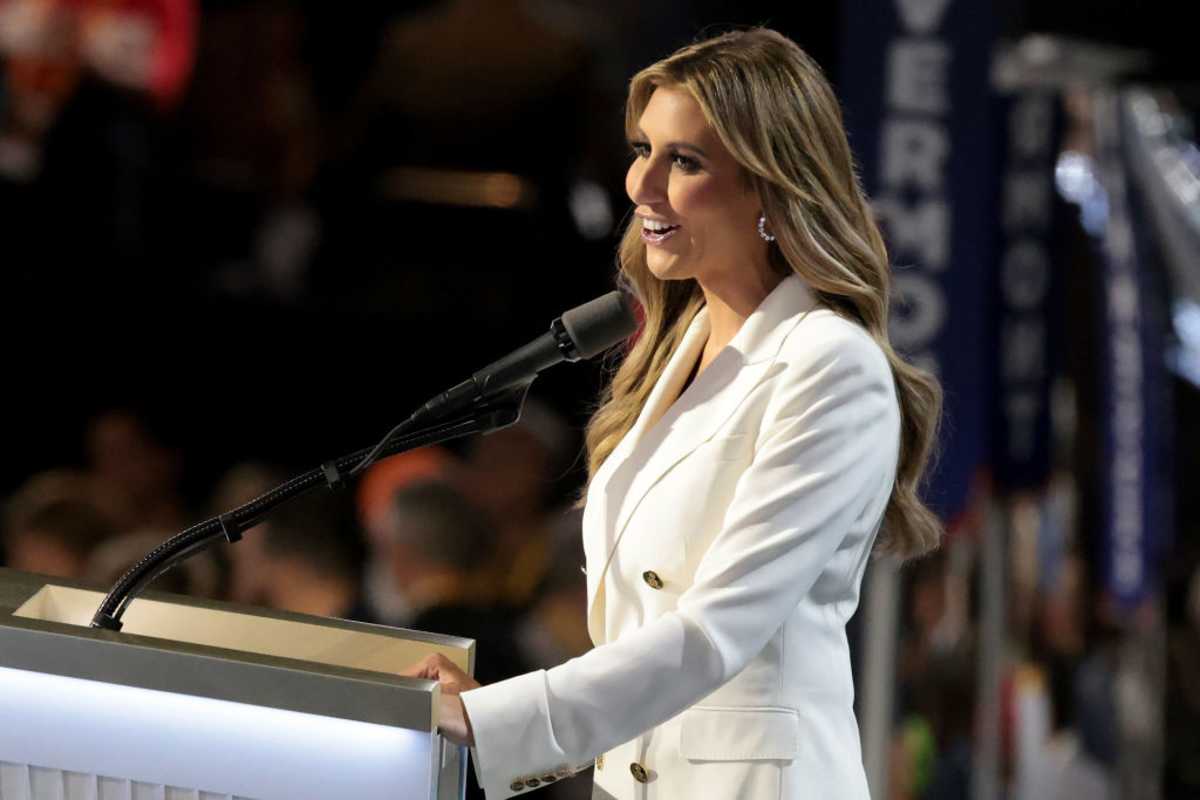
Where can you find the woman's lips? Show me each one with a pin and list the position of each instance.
(658, 237)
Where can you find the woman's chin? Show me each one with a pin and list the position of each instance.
(665, 267)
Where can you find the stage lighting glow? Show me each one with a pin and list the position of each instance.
(1184, 356)
(1077, 182)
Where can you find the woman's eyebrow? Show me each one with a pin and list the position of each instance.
(640, 135)
(688, 146)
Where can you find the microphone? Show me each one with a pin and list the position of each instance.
(583, 332)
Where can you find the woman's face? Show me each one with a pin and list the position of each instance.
(698, 216)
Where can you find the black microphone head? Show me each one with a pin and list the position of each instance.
(598, 324)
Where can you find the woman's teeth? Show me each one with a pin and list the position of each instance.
(654, 231)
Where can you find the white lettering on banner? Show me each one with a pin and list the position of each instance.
(1031, 126)
(1128, 409)
(915, 153)
(1025, 272)
(922, 16)
(911, 198)
(917, 76)
(922, 230)
(1027, 199)
(1025, 275)
(1023, 348)
(923, 313)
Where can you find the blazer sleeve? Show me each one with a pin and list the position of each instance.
(825, 451)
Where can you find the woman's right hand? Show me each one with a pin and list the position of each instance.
(437, 667)
(452, 717)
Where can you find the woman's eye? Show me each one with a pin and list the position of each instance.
(686, 163)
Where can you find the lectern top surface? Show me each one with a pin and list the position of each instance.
(224, 651)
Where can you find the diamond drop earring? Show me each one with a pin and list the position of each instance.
(762, 228)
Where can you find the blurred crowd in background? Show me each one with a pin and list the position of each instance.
(471, 542)
(241, 236)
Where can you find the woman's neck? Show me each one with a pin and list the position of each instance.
(730, 303)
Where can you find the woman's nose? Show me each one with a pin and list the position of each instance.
(645, 183)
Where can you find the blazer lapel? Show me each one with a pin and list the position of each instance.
(611, 482)
(671, 426)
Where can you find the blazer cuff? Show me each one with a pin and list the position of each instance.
(515, 750)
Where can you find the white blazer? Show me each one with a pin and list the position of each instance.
(726, 538)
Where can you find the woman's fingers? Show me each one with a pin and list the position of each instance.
(428, 668)
(441, 669)
(415, 671)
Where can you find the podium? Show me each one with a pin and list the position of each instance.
(198, 700)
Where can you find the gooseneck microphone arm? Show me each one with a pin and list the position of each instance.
(489, 400)
(230, 526)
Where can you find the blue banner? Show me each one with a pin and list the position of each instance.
(914, 81)
(1135, 384)
(1027, 291)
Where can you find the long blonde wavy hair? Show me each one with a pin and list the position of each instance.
(774, 111)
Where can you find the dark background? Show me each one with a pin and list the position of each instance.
(171, 315)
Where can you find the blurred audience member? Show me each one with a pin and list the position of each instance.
(1049, 759)
(90, 84)
(312, 559)
(931, 749)
(1056, 766)
(510, 474)
(139, 470)
(53, 523)
(1066, 718)
(198, 575)
(936, 734)
(439, 546)
(384, 597)
(241, 484)
(51, 46)
(927, 600)
(1093, 693)
(1061, 608)
(254, 140)
(375, 495)
(1183, 700)
(555, 629)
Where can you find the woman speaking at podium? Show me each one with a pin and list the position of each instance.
(758, 435)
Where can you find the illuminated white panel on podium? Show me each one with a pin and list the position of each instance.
(22, 782)
(203, 744)
(244, 703)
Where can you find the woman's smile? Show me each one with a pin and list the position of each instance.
(656, 232)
